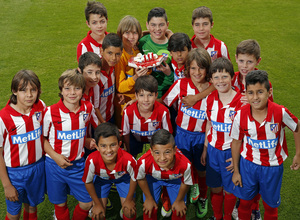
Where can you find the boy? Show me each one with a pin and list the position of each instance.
(96, 20)
(157, 42)
(21, 147)
(221, 105)
(202, 22)
(259, 128)
(64, 128)
(164, 165)
(145, 116)
(110, 164)
(111, 52)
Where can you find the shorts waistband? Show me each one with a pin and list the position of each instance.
(42, 160)
(190, 132)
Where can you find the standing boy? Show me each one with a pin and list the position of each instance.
(110, 164)
(221, 106)
(157, 42)
(202, 22)
(21, 147)
(96, 20)
(164, 165)
(64, 128)
(259, 128)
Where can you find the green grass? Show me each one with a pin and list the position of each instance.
(42, 35)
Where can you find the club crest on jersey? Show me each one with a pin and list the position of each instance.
(176, 176)
(155, 124)
(38, 116)
(214, 55)
(85, 117)
(231, 114)
(274, 127)
(121, 173)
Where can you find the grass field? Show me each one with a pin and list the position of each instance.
(42, 36)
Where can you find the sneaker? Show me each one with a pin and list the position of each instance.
(166, 210)
(235, 210)
(255, 215)
(109, 206)
(202, 207)
(113, 188)
(194, 195)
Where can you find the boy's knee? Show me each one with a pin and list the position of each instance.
(85, 206)
(29, 209)
(13, 217)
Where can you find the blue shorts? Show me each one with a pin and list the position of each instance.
(216, 173)
(103, 186)
(260, 179)
(191, 145)
(61, 182)
(156, 185)
(30, 182)
(136, 147)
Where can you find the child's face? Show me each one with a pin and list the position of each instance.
(26, 97)
(221, 81)
(197, 73)
(164, 155)
(202, 27)
(71, 94)
(91, 74)
(130, 38)
(146, 100)
(180, 56)
(246, 63)
(157, 27)
(258, 96)
(108, 148)
(97, 24)
(111, 55)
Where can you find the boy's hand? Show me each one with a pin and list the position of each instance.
(230, 167)
(148, 206)
(189, 101)
(62, 161)
(129, 103)
(165, 68)
(203, 156)
(141, 71)
(296, 163)
(128, 208)
(121, 99)
(98, 212)
(244, 99)
(179, 207)
(11, 193)
(90, 143)
(237, 179)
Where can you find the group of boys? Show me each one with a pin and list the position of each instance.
(241, 142)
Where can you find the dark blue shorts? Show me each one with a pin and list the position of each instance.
(30, 182)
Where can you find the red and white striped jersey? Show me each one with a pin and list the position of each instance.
(94, 165)
(181, 169)
(191, 119)
(264, 144)
(88, 44)
(21, 135)
(106, 89)
(216, 48)
(221, 118)
(236, 81)
(178, 72)
(92, 97)
(143, 129)
(66, 131)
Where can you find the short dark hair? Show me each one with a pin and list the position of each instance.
(250, 47)
(178, 41)
(112, 40)
(258, 76)
(73, 77)
(147, 83)
(221, 64)
(202, 12)
(162, 137)
(21, 80)
(106, 130)
(157, 12)
(94, 8)
(89, 58)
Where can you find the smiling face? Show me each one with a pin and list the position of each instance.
(221, 81)
(202, 28)
(26, 97)
(98, 25)
(91, 74)
(157, 27)
(145, 100)
(130, 38)
(258, 96)
(197, 73)
(164, 155)
(108, 148)
(111, 55)
(246, 63)
(71, 94)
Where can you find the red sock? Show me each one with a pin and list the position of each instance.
(217, 204)
(255, 205)
(175, 217)
(195, 174)
(32, 216)
(79, 213)
(6, 218)
(202, 187)
(244, 209)
(25, 215)
(229, 203)
(125, 218)
(153, 215)
(62, 213)
(270, 213)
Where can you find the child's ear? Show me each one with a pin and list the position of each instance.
(167, 24)
(120, 143)
(236, 58)
(88, 24)
(101, 51)
(270, 92)
(258, 61)
(147, 25)
(156, 95)
(212, 24)
(79, 70)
